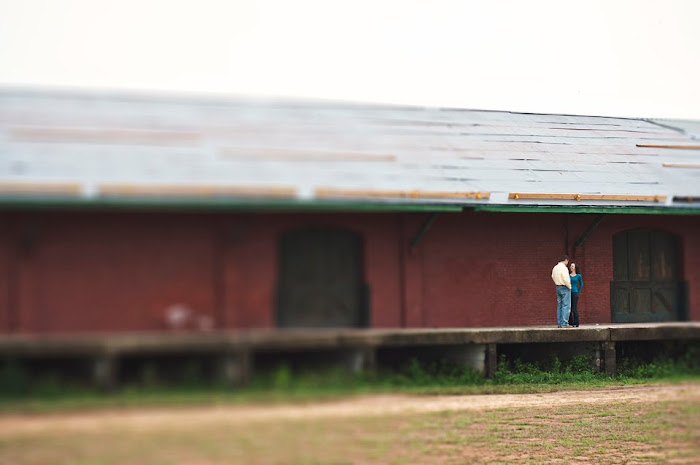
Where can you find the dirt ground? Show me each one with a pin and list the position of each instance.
(366, 406)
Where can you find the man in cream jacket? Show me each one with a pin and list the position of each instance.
(560, 276)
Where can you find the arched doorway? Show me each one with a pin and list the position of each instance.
(320, 280)
(647, 283)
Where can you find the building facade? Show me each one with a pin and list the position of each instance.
(85, 271)
(135, 213)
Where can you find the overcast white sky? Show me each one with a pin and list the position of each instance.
(622, 58)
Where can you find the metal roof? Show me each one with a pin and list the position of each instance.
(690, 127)
(108, 149)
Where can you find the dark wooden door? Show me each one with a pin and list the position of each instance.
(320, 280)
(646, 284)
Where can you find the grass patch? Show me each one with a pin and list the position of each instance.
(283, 384)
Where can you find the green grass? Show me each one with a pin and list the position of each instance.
(17, 393)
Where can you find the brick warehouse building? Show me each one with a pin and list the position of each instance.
(133, 213)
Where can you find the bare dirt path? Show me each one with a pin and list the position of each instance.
(366, 406)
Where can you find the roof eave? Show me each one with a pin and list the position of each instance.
(325, 205)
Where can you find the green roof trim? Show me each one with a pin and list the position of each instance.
(632, 210)
(151, 203)
(216, 203)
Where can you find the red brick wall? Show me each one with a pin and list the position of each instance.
(109, 272)
(485, 269)
(121, 271)
(494, 269)
(252, 254)
(5, 280)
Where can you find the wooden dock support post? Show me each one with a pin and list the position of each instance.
(610, 358)
(104, 372)
(236, 367)
(491, 360)
(361, 359)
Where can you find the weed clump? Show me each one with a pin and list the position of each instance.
(579, 370)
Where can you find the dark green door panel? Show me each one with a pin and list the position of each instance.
(320, 280)
(646, 285)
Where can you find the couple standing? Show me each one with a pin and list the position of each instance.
(569, 283)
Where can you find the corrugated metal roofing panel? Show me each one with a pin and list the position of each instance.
(264, 149)
(688, 127)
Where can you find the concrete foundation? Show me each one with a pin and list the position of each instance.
(356, 349)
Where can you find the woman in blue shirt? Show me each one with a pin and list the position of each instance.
(576, 286)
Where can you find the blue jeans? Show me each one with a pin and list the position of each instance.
(563, 305)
